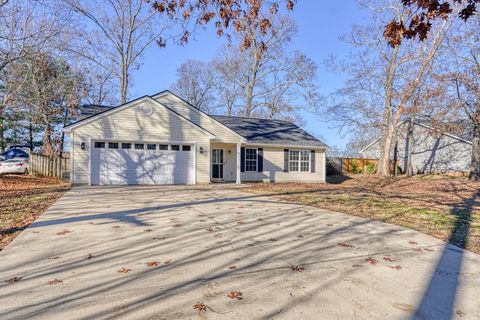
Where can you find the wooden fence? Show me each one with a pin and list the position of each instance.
(336, 165)
(42, 165)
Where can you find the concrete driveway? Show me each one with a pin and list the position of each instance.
(202, 242)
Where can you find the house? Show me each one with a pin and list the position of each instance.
(162, 139)
(432, 150)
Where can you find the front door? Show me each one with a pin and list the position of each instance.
(218, 164)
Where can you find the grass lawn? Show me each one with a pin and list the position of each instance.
(445, 207)
(23, 199)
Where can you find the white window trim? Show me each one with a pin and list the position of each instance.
(256, 159)
(299, 161)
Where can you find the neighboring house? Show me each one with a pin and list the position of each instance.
(433, 151)
(161, 139)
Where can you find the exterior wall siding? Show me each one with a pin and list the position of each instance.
(273, 168)
(431, 153)
(132, 124)
(222, 134)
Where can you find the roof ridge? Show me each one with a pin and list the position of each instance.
(255, 118)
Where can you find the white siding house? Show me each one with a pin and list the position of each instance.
(163, 140)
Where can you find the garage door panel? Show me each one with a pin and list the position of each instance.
(117, 166)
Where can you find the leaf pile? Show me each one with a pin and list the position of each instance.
(201, 307)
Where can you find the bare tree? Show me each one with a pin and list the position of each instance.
(463, 77)
(24, 25)
(384, 81)
(196, 84)
(118, 34)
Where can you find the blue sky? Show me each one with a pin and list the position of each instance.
(320, 23)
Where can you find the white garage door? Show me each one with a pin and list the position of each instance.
(116, 163)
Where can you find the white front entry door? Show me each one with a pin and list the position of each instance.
(122, 163)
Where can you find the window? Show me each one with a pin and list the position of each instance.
(126, 146)
(175, 147)
(299, 160)
(99, 144)
(163, 147)
(139, 146)
(186, 148)
(151, 146)
(113, 145)
(250, 159)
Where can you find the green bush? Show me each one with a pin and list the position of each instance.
(370, 168)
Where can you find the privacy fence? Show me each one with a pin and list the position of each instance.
(337, 165)
(43, 165)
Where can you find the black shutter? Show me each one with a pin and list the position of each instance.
(312, 161)
(242, 160)
(260, 160)
(285, 160)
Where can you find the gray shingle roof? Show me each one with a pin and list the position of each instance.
(90, 110)
(269, 131)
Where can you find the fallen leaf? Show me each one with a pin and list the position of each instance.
(259, 219)
(417, 249)
(232, 267)
(200, 306)
(309, 214)
(148, 230)
(168, 261)
(460, 313)
(63, 232)
(152, 263)
(115, 227)
(297, 268)
(158, 238)
(329, 224)
(124, 270)
(235, 295)
(177, 225)
(412, 242)
(300, 236)
(346, 245)
(427, 249)
(54, 281)
(90, 256)
(241, 222)
(54, 258)
(14, 279)
(388, 259)
(209, 229)
(371, 261)
(395, 267)
(273, 239)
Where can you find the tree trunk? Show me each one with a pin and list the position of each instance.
(475, 164)
(47, 141)
(2, 130)
(409, 149)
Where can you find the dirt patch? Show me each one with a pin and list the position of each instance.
(445, 207)
(23, 199)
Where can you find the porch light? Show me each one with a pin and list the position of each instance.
(82, 146)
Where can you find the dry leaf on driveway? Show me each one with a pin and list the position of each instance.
(297, 268)
(54, 281)
(346, 245)
(124, 270)
(63, 232)
(371, 261)
(235, 295)
(388, 259)
(152, 263)
(395, 267)
(14, 279)
(232, 267)
(200, 306)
